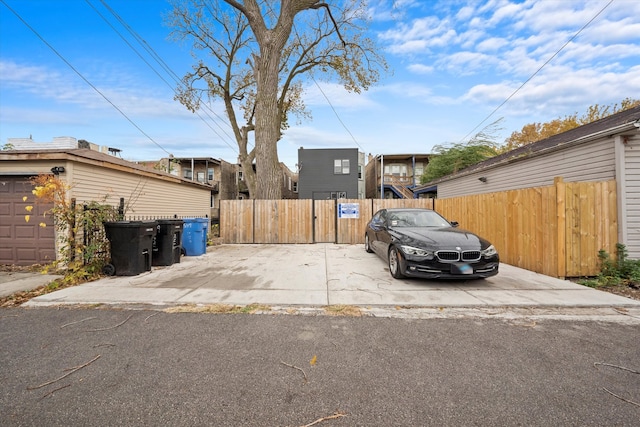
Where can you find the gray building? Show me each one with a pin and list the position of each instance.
(332, 173)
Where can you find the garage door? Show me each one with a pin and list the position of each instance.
(22, 242)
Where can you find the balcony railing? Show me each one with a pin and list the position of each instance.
(400, 184)
(398, 180)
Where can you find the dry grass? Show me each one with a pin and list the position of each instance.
(220, 309)
(343, 310)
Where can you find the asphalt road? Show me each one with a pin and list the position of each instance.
(97, 367)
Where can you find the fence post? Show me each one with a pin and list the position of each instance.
(561, 225)
(121, 209)
(72, 232)
(336, 222)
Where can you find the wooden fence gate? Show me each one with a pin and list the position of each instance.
(302, 221)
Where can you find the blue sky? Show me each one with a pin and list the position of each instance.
(453, 63)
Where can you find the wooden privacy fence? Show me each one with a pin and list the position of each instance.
(302, 221)
(555, 230)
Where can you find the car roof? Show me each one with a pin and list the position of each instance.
(407, 209)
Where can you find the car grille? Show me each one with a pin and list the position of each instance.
(453, 256)
(470, 255)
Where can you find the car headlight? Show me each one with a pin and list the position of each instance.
(410, 250)
(489, 252)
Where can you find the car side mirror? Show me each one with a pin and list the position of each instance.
(454, 223)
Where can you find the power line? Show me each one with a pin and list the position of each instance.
(84, 78)
(161, 62)
(320, 88)
(538, 70)
(157, 57)
(295, 29)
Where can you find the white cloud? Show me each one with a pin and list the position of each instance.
(465, 13)
(420, 68)
(423, 33)
(492, 44)
(408, 89)
(390, 10)
(317, 94)
(504, 12)
(467, 63)
(310, 137)
(606, 31)
(554, 93)
(69, 89)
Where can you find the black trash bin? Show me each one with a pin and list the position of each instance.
(131, 246)
(167, 244)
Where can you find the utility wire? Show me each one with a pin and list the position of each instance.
(295, 30)
(83, 78)
(538, 70)
(162, 64)
(156, 56)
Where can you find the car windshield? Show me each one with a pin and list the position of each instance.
(417, 219)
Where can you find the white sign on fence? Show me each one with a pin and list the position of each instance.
(348, 210)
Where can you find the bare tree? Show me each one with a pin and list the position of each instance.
(261, 52)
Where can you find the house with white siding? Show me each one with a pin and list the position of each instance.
(607, 149)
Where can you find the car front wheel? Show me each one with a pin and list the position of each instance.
(367, 244)
(395, 258)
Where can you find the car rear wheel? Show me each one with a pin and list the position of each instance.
(395, 258)
(367, 245)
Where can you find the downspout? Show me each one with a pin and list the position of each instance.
(413, 168)
(193, 172)
(621, 184)
(382, 176)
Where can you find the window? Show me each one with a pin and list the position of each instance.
(419, 170)
(338, 194)
(341, 166)
(210, 176)
(295, 186)
(395, 169)
(240, 176)
(200, 176)
(359, 171)
(289, 184)
(187, 174)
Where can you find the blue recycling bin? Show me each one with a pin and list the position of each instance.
(194, 236)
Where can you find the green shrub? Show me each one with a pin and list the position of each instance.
(615, 271)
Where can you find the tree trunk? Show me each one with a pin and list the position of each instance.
(267, 132)
(246, 161)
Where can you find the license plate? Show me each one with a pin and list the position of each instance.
(461, 268)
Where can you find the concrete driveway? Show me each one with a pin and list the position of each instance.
(323, 274)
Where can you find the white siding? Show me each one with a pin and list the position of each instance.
(143, 195)
(594, 161)
(632, 195)
(58, 143)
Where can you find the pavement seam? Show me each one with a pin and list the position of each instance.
(326, 274)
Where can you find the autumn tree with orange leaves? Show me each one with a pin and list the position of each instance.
(534, 132)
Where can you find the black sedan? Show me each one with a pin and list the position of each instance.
(421, 243)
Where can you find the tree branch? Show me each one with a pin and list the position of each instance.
(77, 368)
(335, 24)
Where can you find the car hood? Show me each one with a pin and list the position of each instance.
(440, 238)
